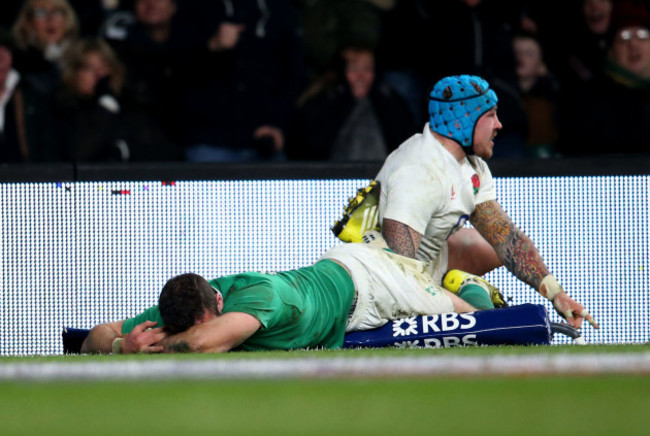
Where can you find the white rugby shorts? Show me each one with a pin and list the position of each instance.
(388, 286)
(438, 267)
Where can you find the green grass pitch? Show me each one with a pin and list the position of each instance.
(613, 404)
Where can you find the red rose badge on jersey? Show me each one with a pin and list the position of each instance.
(476, 183)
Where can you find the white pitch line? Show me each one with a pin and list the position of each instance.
(306, 368)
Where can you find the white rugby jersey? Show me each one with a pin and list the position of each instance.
(424, 187)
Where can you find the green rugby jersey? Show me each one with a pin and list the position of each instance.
(302, 308)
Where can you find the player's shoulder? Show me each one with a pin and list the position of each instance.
(419, 150)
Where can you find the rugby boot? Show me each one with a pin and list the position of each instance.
(360, 215)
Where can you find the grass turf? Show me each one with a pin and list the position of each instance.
(486, 406)
(593, 405)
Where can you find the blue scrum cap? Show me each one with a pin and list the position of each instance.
(455, 105)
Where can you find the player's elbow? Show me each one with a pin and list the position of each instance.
(87, 348)
(99, 340)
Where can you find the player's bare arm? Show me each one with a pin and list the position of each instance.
(401, 238)
(514, 248)
(107, 338)
(101, 337)
(215, 336)
(142, 339)
(521, 257)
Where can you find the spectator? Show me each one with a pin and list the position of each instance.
(609, 114)
(629, 56)
(87, 110)
(92, 125)
(240, 98)
(540, 92)
(155, 47)
(587, 42)
(330, 25)
(42, 31)
(13, 142)
(93, 13)
(354, 118)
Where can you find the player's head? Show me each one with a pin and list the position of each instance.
(184, 301)
(455, 105)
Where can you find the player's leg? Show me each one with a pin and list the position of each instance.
(407, 280)
(469, 251)
(477, 291)
(460, 305)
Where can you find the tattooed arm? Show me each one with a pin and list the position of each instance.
(216, 336)
(521, 257)
(401, 238)
(516, 250)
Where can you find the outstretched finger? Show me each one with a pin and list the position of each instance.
(568, 315)
(590, 319)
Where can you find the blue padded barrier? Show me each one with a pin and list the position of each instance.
(525, 324)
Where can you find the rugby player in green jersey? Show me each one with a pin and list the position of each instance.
(352, 287)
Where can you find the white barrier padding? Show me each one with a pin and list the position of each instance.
(319, 368)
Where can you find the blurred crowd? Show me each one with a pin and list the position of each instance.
(329, 80)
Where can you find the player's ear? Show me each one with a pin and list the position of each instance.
(219, 298)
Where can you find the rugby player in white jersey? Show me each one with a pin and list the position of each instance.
(438, 180)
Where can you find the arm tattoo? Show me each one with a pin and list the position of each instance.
(514, 248)
(178, 347)
(401, 238)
